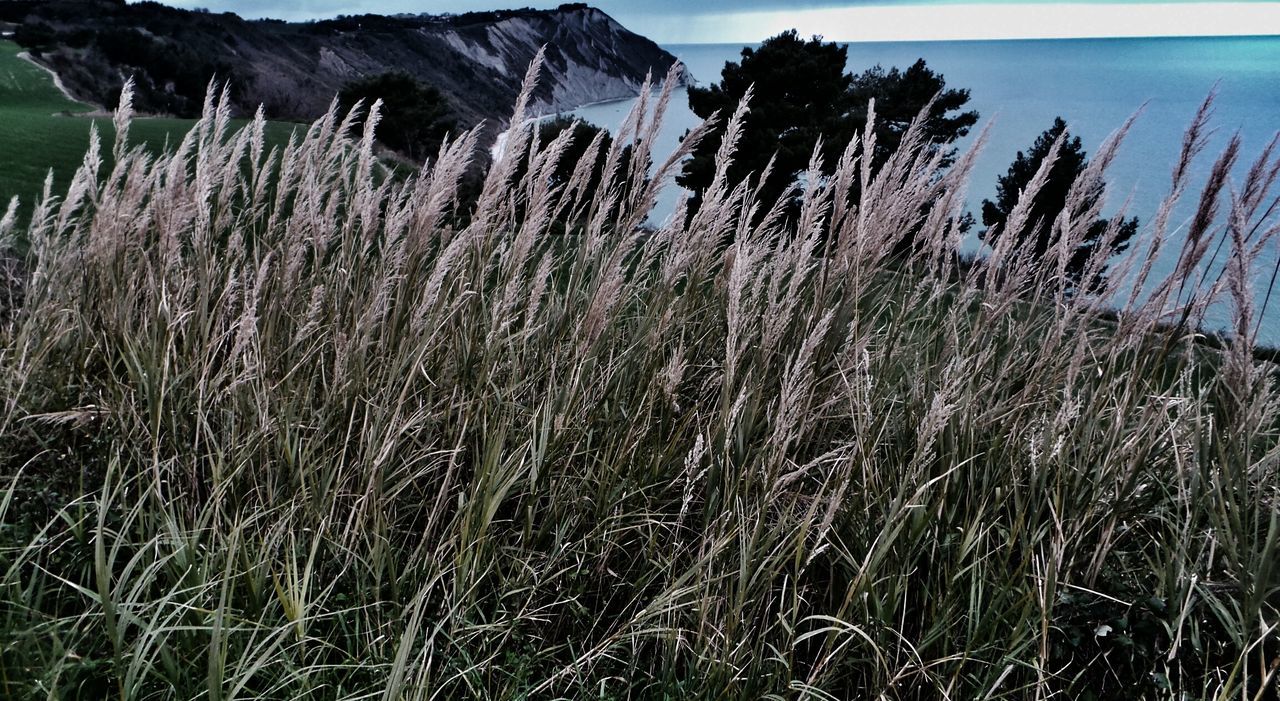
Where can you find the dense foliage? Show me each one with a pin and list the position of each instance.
(171, 77)
(415, 118)
(584, 143)
(1058, 161)
(803, 98)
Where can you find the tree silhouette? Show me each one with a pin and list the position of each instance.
(1037, 232)
(802, 92)
(900, 96)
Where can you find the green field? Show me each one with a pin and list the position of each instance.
(40, 129)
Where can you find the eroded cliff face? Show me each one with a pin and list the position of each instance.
(590, 57)
(294, 69)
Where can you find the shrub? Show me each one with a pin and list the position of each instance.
(35, 36)
(415, 116)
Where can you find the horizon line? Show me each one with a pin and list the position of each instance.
(971, 21)
(984, 40)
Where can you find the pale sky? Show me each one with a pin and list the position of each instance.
(750, 21)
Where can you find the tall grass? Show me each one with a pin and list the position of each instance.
(272, 426)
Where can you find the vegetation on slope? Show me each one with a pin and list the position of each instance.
(40, 130)
(292, 70)
(319, 441)
(417, 117)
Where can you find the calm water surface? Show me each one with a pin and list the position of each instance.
(1094, 84)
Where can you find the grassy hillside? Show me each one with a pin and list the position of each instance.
(40, 130)
(322, 442)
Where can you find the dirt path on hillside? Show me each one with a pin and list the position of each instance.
(57, 82)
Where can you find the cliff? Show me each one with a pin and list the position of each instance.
(294, 69)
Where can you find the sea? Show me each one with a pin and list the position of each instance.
(1019, 87)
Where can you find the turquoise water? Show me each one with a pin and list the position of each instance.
(1094, 84)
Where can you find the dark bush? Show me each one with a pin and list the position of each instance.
(415, 116)
(35, 36)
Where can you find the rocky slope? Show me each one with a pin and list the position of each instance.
(294, 69)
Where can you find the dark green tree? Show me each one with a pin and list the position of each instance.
(900, 96)
(1036, 233)
(584, 133)
(415, 117)
(802, 92)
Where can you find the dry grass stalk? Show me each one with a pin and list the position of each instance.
(338, 438)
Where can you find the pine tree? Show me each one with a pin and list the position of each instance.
(1037, 231)
(802, 93)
